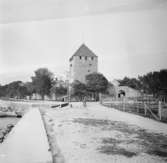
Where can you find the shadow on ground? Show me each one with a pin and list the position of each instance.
(129, 141)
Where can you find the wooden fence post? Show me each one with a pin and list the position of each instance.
(145, 109)
(100, 98)
(160, 110)
(137, 104)
(123, 104)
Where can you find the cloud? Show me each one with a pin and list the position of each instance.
(30, 10)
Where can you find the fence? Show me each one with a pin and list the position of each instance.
(144, 105)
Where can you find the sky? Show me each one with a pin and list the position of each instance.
(129, 37)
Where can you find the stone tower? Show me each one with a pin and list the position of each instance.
(82, 63)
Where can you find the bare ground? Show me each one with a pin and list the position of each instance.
(96, 134)
(129, 135)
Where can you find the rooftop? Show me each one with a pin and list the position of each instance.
(83, 51)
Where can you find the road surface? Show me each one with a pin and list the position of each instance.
(97, 134)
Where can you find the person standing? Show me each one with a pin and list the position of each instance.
(84, 102)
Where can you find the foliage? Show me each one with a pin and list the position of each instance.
(30, 89)
(155, 82)
(3, 90)
(14, 89)
(79, 89)
(42, 81)
(131, 82)
(152, 83)
(59, 91)
(111, 90)
(58, 88)
(96, 83)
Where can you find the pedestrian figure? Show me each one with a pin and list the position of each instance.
(84, 101)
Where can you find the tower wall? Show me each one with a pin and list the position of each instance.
(80, 66)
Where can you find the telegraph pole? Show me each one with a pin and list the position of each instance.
(68, 85)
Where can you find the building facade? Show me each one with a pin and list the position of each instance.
(82, 63)
(122, 91)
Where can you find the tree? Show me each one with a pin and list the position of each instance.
(3, 90)
(42, 81)
(96, 83)
(79, 90)
(163, 82)
(16, 89)
(30, 89)
(111, 90)
(59, 90)
(130, 82)
(155, 82)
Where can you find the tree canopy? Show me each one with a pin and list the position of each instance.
(151, 83)
(79, 89)
(96, 83)
(155, 82)
(58, 89)
(14, 89)
(131, 82)
(42, 81)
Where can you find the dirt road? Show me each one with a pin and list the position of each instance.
(97, 134)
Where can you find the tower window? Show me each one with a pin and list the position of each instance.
(92, 58)
(80, 57)
(86, 58)
(70, 65)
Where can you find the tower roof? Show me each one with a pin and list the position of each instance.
(84, 51)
